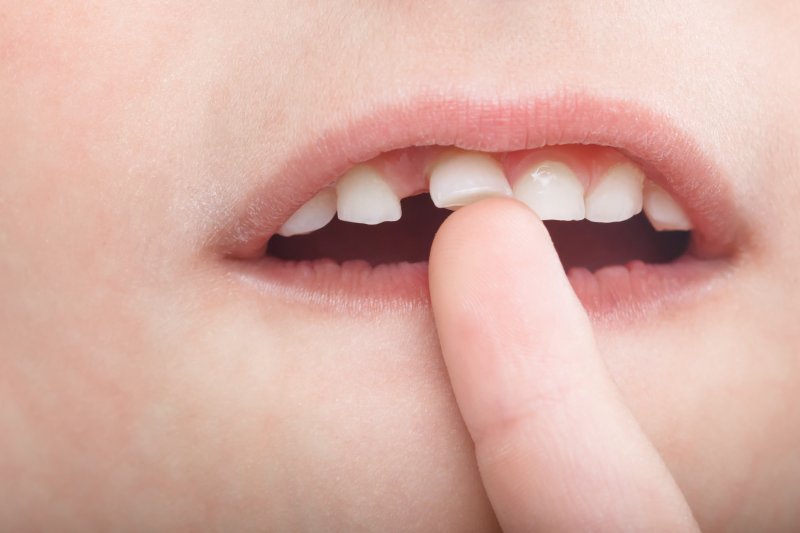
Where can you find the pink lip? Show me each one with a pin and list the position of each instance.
(617, 294)
(667, 154)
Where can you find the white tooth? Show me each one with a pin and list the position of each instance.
(617, 196)
(663, 211)
(552, 190)
(365, 197)
(312, 215)
(461, 178)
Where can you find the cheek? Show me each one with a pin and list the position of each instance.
(76, 75)
(348, 417)
(716, 396)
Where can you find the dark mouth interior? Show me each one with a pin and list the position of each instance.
(579, 244)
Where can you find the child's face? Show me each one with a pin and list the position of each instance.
(146, 379)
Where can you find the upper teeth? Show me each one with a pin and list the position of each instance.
(365, 197)
(617, 196)
(663, 212)
(550, 188)
(461, 178)
(553, 191)
(312, 215)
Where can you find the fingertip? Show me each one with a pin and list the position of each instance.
(492, 246)
(487, 221)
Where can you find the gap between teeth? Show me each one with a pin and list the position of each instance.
(459, 178)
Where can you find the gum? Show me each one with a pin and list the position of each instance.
(408, 170)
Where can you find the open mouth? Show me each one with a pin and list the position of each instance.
(633, 227)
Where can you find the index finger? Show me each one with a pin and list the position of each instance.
(556, 446)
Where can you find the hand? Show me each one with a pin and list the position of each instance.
(556, 446)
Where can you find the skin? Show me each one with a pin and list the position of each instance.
(557, 448)
(142, 389)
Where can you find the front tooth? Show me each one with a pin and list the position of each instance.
(462, 178)
(365, 197)
(663, 211)
(617, 196)
(312, 215)
(552, 190)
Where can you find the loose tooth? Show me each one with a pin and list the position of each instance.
(365, 197)
(663, 211)
(312, 215)
(617, 196)
(461, 178)
(552, 190)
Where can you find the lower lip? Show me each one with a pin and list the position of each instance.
(614, 294)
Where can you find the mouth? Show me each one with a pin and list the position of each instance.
(639, 216)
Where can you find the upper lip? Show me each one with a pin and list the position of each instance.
(667, 153)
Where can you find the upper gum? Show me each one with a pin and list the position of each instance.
(407, 169)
